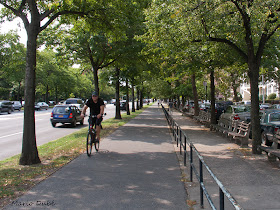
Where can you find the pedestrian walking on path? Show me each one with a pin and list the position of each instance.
(136, 168)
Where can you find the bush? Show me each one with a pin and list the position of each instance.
(272, 96)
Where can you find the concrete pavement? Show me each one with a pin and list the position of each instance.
(136, 168)
(251, 179)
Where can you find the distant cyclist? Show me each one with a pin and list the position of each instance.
(96, 106)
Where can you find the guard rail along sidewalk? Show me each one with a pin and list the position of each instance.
(179, 135)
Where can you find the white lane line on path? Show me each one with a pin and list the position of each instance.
(1, 137)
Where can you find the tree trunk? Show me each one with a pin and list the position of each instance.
(29, 153)
(141, 98)
(47, 94)
(255, 120)
(212, 85)
(137, 100)
(94, 69)
(133, 99)
(195, 96)
(127, 98)
(118, 110)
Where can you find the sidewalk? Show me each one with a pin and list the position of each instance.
(251, 179)
(136, 168)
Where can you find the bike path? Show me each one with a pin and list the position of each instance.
(136, 168)
(251, 179)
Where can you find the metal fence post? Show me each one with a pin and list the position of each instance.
(201, 181)
(185, 151)
(222, 199)
(191, 163)
(180, 141)
(177, 135)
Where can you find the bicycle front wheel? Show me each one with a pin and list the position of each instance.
(89, 144)
(96, 142)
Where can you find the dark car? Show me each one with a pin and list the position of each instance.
(221, 107)
(123, 105)
(16, 105)
(66, 114)
(270, 123)
(6, 106)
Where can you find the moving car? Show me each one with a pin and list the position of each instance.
(6, 106)
(123, 105)
(75, 101)
(270, 123)
(67, 113)
(16, 105)
(41, 105)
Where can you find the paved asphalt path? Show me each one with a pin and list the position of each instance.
(136, 168)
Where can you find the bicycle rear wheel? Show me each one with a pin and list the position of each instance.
(89, 144)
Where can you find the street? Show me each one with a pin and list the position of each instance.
(11, 129)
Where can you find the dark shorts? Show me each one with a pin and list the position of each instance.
(96, 121)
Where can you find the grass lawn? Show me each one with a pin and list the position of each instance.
(15, 179)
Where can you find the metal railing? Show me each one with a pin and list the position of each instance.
(183, 141)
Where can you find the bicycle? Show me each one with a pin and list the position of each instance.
(91, 136)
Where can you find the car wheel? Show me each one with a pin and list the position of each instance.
(264, 139)
(74, 123)
(9, 111)
(53, 124)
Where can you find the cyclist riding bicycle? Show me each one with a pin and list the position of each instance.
(96, 106)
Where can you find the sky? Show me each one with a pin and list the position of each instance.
(14, 25)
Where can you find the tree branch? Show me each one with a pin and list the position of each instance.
(56, 15)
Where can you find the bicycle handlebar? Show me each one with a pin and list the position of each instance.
(93, 116)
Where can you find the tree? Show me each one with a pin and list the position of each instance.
(12, 66)
(244, 26)
(36, 16)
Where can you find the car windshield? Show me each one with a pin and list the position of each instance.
(274, 117)
(240, 109)
(61, 110)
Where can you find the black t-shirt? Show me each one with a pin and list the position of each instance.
(95, 107)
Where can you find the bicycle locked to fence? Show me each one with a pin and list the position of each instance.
(91, 136)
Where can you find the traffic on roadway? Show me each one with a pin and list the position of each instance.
(11, 129)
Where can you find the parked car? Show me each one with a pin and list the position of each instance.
(66, 114)
(221, 107)
(237, 112)
(41, 105)
(275, 106)
(52, 103)
(189, 104)
(123, 105)
(205, 107)
(75, 101)
(16, 105)
(6, 106)
(265, 106)
(270, 123)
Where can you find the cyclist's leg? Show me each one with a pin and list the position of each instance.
(98, 128)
